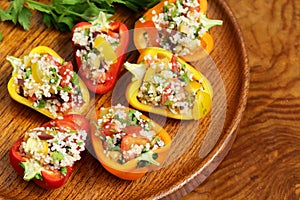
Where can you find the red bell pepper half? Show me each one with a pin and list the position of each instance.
(47, 154)
(99, 48)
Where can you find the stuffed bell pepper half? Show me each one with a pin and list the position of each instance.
(47, 154)
(100, 48)
(127, 143)
(180, 26)
(166, 85)
(45, 82)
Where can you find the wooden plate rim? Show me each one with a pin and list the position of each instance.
(197, 178)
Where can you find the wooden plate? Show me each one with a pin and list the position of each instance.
(199, 146)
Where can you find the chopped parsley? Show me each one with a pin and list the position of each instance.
(186, 78)
(27, 73)
(146, 159)
(63, 171)
(75, 79)
(168, 102)
(41, 104)
(57, 156)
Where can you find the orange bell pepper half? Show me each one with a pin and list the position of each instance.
(127, 143)
(163, 26)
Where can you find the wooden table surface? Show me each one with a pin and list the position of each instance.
(264, 161)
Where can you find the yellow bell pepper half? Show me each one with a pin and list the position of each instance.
(37, 75)
(198, 87)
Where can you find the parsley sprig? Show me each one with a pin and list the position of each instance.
(64, 14)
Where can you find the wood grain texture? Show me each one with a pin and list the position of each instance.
(199, 146)
(264, 161)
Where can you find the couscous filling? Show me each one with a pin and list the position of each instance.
(43, 80)
(93, 59)
(51, 149)
(167, 84)
(126, 136)
(181, 26)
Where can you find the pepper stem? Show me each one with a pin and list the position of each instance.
(14, 62)
(138, 70)
(102, 19)
(208, 23)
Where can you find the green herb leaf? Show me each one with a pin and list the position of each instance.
(168, 102)
(24, 18)
(38, 176)
(41, 104)
(132, 118)
(138, 5)
(63, 14)
(47, 20)
(96, 125)
(67, 89)
(155, 156)
(14, 15)
(63, 171)
(185, 77)
(143, 163)
(66, 20)
(112, 130)
(75, 79)
(57, 156)
(115, 148)
(27, 73)
(59, 88)
(39, 6)
(18, 5)
(146, 159)
(121, 161)
(22, 164)
(124, 121)
(1, 37)
(102, 138)
(73, 131)
(71, 2)
(5, 15)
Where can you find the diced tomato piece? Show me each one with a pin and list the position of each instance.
(66, 72)
(109, 128)
(129, 130)
(129, 140)
(175, 64)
